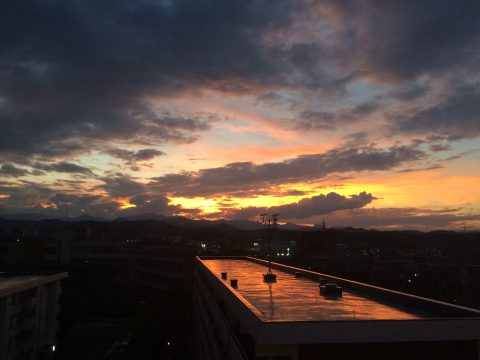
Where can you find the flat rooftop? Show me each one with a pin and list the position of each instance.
(13, 282)
(292, 310)
(299, 299)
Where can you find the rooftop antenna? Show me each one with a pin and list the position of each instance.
(263, 218)
(269, 221)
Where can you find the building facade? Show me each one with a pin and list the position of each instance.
(29, 307)
(292, 319)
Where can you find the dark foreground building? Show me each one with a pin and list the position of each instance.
(29, 307)
(291, 319)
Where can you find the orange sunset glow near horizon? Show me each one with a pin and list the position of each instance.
(361, 114)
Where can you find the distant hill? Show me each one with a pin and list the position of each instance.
(181, 221)
(241, 224)
(86, 217)
(145, 216)
(187, 222)
(26, 216)
(293, 226)
(172, 220)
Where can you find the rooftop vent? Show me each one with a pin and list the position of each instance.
(331, 290)
(234, 283)
(224, 275)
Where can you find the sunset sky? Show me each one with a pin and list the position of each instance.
(362, 113)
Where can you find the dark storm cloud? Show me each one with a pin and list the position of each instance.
(247, 175)
(410, 93)
(71, 129)
(412, 218)
(94, 205)
(400, 40)
(316, 205)
(457, 116)
(153, 203)
(316, 120)
(75, 73)
(145, 198)
(32, 197)
(24, 196)
(356, 139)
(78, 71)
(123, 186)
(64, 167)
(319, 120)
(12, 170)
(440, 147)
(133, 157)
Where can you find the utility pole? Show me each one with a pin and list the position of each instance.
(269, 221)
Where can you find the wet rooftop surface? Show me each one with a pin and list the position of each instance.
(299, 299)
(14, 280)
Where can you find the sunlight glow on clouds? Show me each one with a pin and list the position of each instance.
(361, 111)
(124, 203)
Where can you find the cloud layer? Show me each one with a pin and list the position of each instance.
(108, 103)
(247, 175)
(307, 207)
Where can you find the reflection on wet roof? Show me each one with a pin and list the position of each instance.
(299, 299)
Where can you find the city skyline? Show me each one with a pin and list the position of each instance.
(363, 113)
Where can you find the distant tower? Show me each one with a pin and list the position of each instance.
(324, 226)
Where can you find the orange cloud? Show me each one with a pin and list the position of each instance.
(124, 203)
(48, 205)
